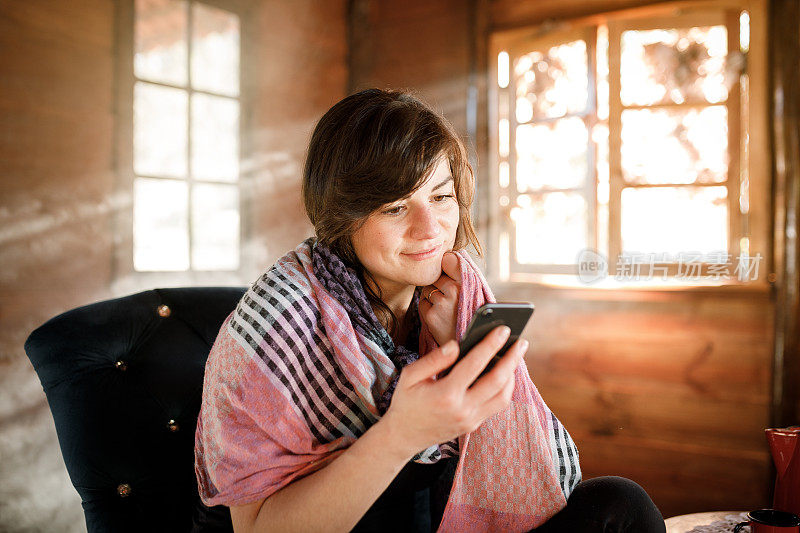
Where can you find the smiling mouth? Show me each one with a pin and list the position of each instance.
(425, 253)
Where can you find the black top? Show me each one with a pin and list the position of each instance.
(414, 501)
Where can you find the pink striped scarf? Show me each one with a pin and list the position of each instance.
(300, 370)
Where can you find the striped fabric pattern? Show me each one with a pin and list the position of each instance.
(302, 367)
(565, 456)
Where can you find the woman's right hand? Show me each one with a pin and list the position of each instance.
(426, 411)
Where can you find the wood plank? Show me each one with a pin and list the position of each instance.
(650, 325)
(77, 21)
(53, 150)
(57, 197)
(388, 13)
(688, 316)
(299, 61)
(57, 248)
(680, 479)
(62, 77)
(784, 22)
(717, 369)
(760, 150)
(511, 13)
(298, 71)
(657, 412)
(423, 46)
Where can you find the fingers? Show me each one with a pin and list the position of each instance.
(451, 265)
(473, 363)
(431, 293)
(494, 381)
(448, 284)
(450, 280)
(424, 304)
(444, 287)
(499, 401)
(430, 364)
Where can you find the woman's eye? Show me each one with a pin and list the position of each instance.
(443, 197)
(393, 210)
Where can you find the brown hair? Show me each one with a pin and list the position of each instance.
(370, 149)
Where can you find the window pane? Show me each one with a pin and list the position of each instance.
(673, 66)
(552, 84)
(215, 138)
(675, 146)
(160, 231)
(503, 137)
(502, 69)
(552, 154)
(159, 131)
(674, 219)
(550, 229)
(160, 50)
(215, 50)
(215, 227)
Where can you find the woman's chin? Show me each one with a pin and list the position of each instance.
(428, 276)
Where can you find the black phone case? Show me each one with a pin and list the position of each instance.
(489, 316)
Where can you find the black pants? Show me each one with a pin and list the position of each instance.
(606, 504)
(603, 504)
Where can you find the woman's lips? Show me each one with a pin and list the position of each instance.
(424, 255)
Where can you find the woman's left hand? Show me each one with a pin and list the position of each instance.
(437, 308)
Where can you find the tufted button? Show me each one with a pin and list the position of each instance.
(173, 426)
(124, 490)
(121, 365)
(164, 310)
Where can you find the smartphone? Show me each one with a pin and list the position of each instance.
(489, 316)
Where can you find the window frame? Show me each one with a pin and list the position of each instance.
(757, 220)
(124, 276)
(588, 190)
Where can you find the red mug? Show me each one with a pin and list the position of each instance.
(770, 521)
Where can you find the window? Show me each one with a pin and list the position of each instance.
(622, 142)
(185, 142)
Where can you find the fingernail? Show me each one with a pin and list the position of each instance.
(524, 345)
(505, 331)
(449, 348)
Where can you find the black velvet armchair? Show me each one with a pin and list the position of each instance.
(124, 378)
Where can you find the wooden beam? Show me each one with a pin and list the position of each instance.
(784, 20)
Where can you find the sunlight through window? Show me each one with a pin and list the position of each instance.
(647, 169)
(186, 124)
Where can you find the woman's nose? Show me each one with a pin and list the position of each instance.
(424, 224)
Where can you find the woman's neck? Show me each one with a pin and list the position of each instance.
(398, 300)
(404, 326)
(399, 304)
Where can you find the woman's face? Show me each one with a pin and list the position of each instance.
(402, 243)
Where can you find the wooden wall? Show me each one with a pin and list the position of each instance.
(419, 46)
(670, 389)
(56, 199)
(58, 196)
(298, 70)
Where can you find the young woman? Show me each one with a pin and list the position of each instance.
(323, 405)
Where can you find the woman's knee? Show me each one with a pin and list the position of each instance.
(623, 502)
(615, 487)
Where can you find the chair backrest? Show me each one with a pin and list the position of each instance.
(124, 379)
